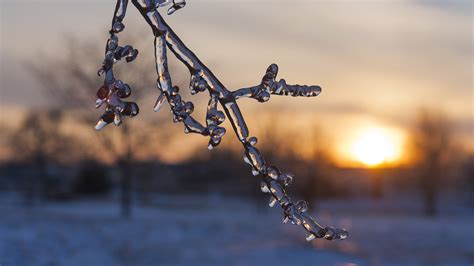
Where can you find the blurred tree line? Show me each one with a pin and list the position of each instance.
(57, 154)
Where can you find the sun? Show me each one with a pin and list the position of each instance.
(374, 147)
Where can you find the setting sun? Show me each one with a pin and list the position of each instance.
(374, 146)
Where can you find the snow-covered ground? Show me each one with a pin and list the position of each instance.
(222, 231)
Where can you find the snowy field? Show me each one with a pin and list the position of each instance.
(204, 231)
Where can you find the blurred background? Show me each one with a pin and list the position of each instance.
(385, 151)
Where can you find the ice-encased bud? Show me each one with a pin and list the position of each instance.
(197, 84)
(218, 132)
(293, 215)
(174, 92)
(330, 233)
(124, 91)
(285, 179)
(124, 51)
(273, 172)
(118, 27)
(188, 107)
(341, 234)
(264, 96)
(131, 109)
(131, 56)
(253, 141)
(103, 92)
(215, 117)
(302, 206)
(177, 4)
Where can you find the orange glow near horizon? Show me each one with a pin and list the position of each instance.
(375, 146)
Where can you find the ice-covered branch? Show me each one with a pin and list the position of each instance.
(202, 79)
(269, 85)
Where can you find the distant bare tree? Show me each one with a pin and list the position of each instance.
(71, 82)
(432, 139)
(40, 141)
(312, 171)
(468, 171)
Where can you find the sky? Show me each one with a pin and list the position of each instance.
(377, 61)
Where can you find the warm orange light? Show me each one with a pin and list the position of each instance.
(374, 146)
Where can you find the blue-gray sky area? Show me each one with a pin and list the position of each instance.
(376, 60)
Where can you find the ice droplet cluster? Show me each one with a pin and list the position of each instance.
(274, 182)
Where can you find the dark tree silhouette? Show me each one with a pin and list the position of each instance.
(432, 139)
(71, 86)
(40, 141)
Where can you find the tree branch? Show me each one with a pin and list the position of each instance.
(273, 181)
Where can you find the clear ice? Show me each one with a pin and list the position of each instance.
(113, 91)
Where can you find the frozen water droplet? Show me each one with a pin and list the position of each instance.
(186, 130)
(118, 27)
(310, 237)
(255, 172)
(342, 234)
(124, 91)
(105, 119)
(264, 96)
(210, 146)
(330, 233)
(175, 91)
(189, 107)
(159, 102)
(264, 187)
(98, 103)
(302, 206)
(285, 219)
(272, 202)
(100, 124)
(253, 141)
(218, 132)
(131, 109)
(273, 172)
(103, 92)
(285, 179)
(132, 56)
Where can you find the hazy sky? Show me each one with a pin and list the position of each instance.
(377, 61)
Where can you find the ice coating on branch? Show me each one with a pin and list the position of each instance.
(274, 182)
